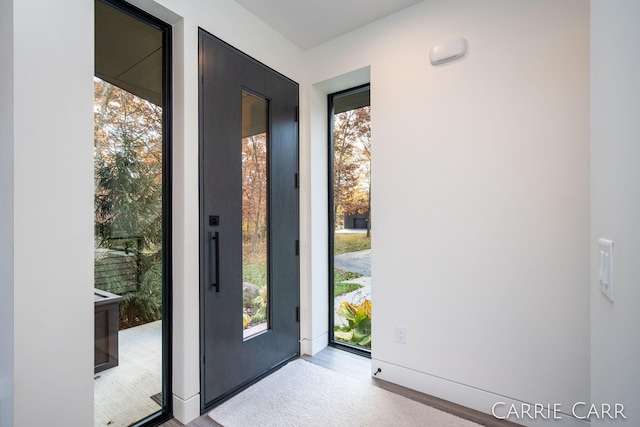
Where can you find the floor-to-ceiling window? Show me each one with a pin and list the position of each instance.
(132, 216)
(350, 218)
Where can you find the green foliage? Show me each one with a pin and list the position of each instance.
(128, 193)
(255, 273)
(256, 312)
(144, 305)
(358, 329)
(343, 288)
(339, 277)
(128, 201)
(347, 242)
(260, 301)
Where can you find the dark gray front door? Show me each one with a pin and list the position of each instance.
(249, 275)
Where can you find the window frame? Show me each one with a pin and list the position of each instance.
(166, 411)
(331, 218)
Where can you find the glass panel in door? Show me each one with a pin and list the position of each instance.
(255, 221)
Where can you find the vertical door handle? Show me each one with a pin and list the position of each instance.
(214, 262)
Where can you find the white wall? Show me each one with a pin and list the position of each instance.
(615, 202)
(49, 138)
(6, 213)
(481, 197)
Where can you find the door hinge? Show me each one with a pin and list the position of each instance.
(297, 247)
(298, 314)
(297, 180)
(297, 114)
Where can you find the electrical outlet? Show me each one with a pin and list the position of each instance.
(401, 335)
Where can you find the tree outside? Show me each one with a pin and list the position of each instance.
(351, 197)
(255, 231)
(352, 165)
(128, 201)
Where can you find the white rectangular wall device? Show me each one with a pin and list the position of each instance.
(448, 51)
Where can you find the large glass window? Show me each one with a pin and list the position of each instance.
(350, 218)
(132, 250)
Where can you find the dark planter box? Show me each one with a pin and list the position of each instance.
(106, 330)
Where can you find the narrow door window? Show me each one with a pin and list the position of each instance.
(350, 218)
(132, 200)
(255, 222)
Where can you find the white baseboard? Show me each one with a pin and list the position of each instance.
(312, 347)
(188, 410)
(469, 397)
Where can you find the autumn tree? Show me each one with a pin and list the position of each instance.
(352, 163)
(128, 166)
(128, 192)
(254, 188)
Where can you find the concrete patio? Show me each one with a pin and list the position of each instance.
(123, 393)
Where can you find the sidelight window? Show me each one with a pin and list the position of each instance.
(350, 218)
(132, 217)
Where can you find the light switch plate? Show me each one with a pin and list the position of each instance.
(605, 272)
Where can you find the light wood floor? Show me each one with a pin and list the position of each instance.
(359, 367)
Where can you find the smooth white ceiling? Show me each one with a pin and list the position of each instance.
(308, 23)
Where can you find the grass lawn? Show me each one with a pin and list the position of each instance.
(343, 288)
(255, 273)
(254, 264)
(255, 269)
(343, 243)
(339, 276)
